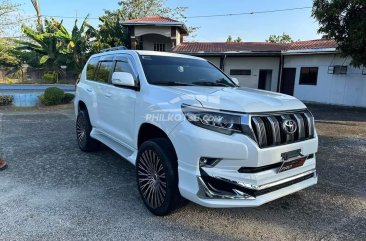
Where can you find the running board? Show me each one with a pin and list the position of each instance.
(116, 146)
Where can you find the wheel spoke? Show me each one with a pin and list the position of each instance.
(151, 178)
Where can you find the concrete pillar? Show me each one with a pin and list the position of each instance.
(133, 43)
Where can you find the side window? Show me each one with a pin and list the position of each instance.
(309, 75)
(122, 66)
(104, 71)
(91, 67)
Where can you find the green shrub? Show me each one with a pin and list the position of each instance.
(52, 96)
(6, 99)
(67, 98)
(49, 78)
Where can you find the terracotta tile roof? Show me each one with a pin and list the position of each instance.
(153, 19)
(312, 44)
(221, 47)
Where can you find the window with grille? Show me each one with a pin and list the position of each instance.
(159, 47)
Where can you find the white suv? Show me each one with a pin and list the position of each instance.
(192, 132)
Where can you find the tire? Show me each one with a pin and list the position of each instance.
(83, 129)
(157, 176)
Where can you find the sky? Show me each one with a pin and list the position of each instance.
(257, 27)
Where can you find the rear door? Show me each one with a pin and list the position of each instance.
(119, 106)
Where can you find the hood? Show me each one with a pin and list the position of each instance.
(240, 99)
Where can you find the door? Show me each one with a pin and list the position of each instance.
(120, 102)
(288, 81)
(265, 79)
(102, 85)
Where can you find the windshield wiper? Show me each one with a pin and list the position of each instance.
(207, 83)
(172, 83)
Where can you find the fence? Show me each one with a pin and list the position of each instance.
(34, 76)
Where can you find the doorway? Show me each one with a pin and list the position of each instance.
(265, 79)
(288, 81)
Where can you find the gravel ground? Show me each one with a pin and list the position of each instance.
(53, 191)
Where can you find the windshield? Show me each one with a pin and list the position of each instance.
(165, 70)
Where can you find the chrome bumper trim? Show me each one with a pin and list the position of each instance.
(212, 192)
(268, 185)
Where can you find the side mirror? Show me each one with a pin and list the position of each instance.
(123, 79)
(236, 81)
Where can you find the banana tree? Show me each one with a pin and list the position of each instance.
(56, 47)
(49, 45)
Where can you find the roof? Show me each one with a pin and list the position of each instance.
(157, 21)
(223, 47)
(233, 47)
(312, 44)
(153, 19)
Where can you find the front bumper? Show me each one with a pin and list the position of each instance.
(237, 151)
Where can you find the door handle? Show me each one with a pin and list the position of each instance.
(108, 95)
(89, 89)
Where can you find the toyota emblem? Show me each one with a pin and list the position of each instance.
(289, 126)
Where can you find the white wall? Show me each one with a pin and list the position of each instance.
(151, 39)
(142, 30)
(214, 60)
(349, 89)
(254, 64)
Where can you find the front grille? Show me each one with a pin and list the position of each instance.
(269, 131)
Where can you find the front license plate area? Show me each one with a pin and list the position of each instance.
(291, 164)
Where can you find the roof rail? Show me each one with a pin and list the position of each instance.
(113, 49)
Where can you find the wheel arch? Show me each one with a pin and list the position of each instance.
(148, 131)
(82, 106)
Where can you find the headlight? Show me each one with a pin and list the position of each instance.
(215, 121)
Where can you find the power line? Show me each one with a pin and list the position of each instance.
(248, 13)
(197, 16)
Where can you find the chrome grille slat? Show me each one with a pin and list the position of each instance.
(310, 121)
(275, 128)
(269, 131)
(260, 131)
(300, 126)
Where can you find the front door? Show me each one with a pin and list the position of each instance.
(265, 79)
(119, 109)
(288, 81)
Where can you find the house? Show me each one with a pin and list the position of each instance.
(309, 70)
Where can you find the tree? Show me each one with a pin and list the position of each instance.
(284, 38)
(112, 33)
(229, 39)
(7, 56)
(39, 15)
(7, 15)
(80, 44)
(238, 40)
(345, 22)
(55, 46)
